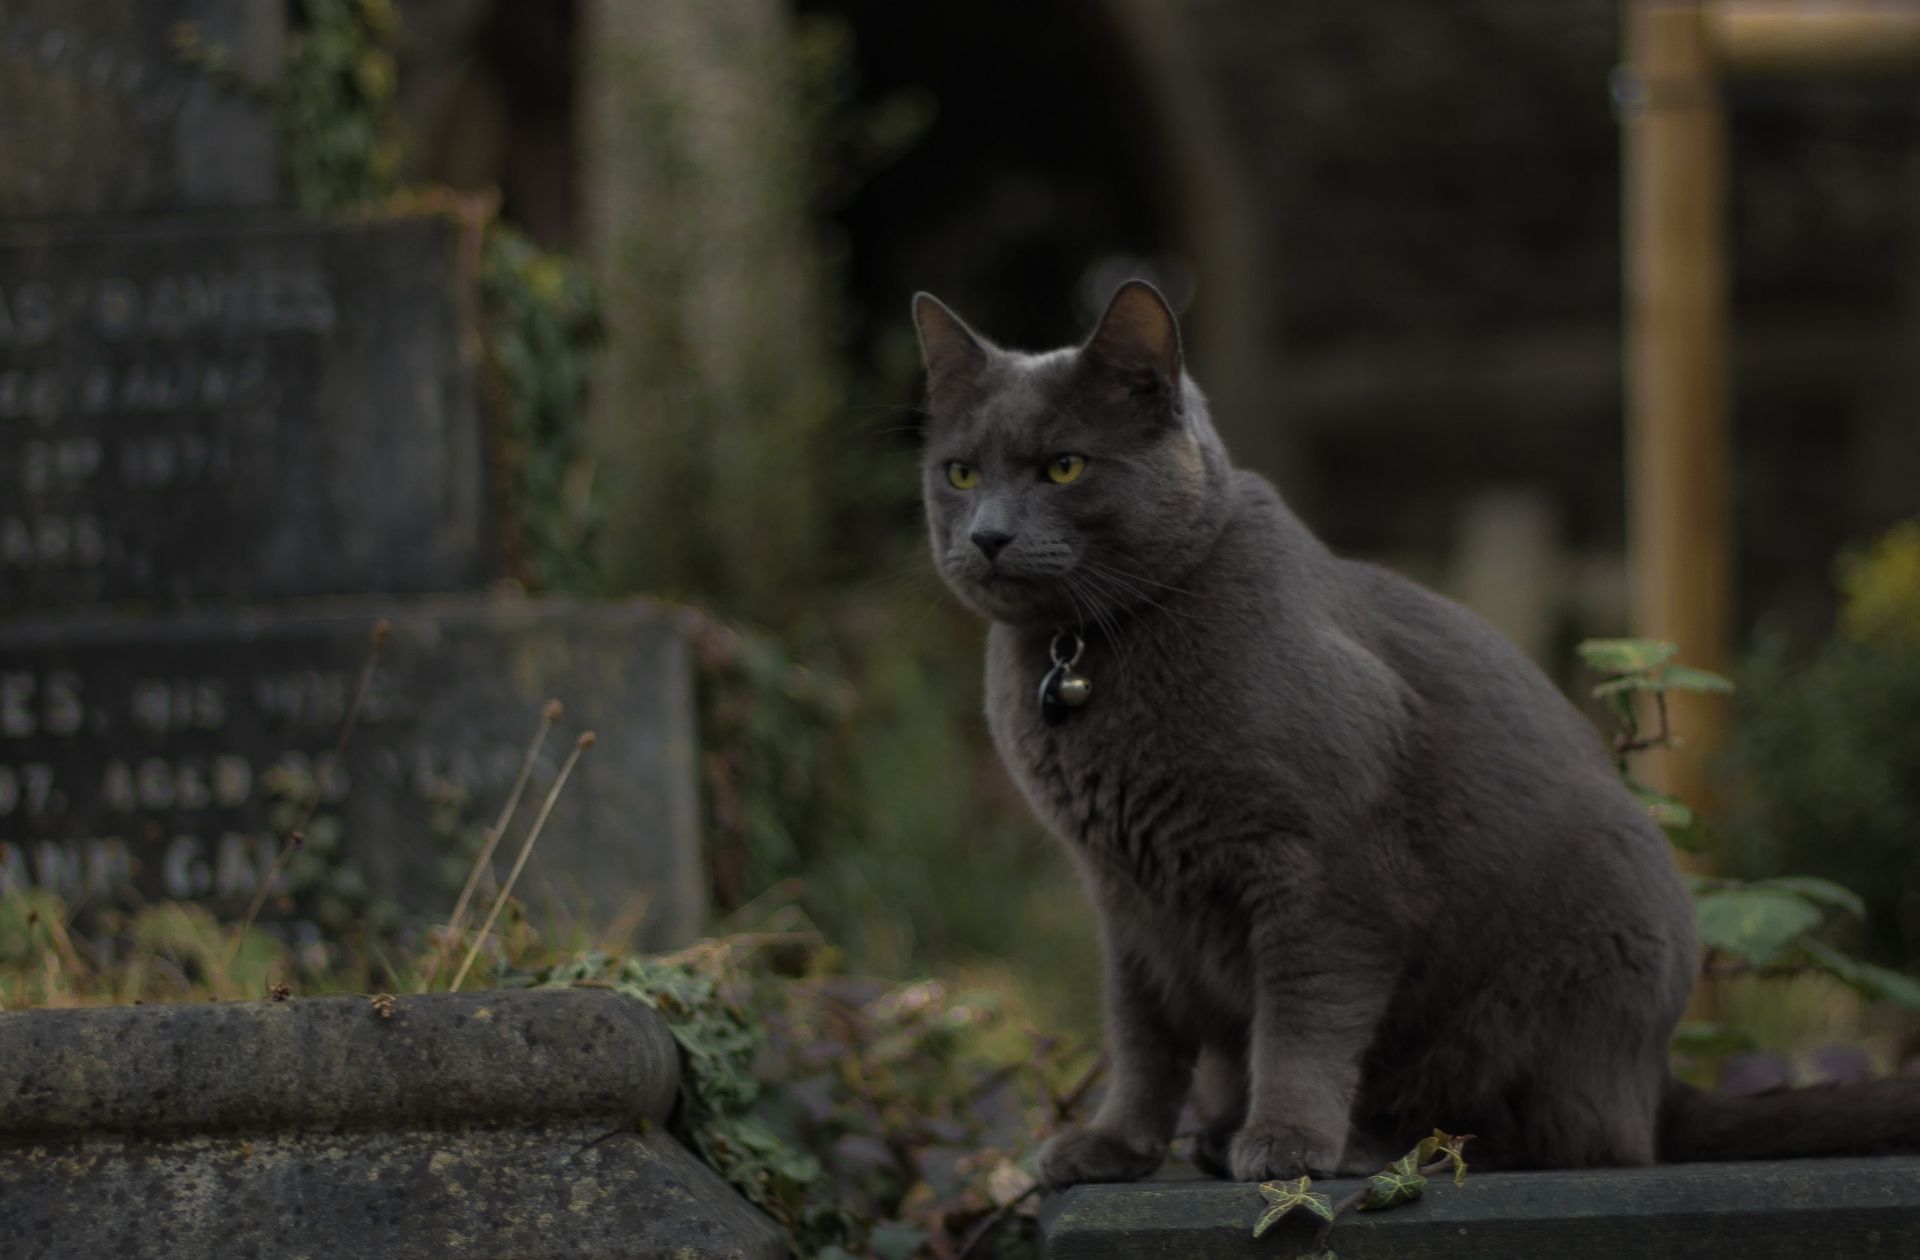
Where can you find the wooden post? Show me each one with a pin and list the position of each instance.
(1833, 37)
(1679, 447)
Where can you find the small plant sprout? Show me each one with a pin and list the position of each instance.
(1402, 1181)
(1284, 1196)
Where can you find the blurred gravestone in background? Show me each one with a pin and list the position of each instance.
(255, 408)
(102, 118)
(207, 405)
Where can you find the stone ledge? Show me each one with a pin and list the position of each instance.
(514, 1125)
(488, 1059)
(575, 1192)
(1753, 1211)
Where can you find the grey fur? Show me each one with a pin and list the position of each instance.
(1354, 856)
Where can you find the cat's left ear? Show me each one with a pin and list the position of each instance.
(951, 351)
(1139, 338)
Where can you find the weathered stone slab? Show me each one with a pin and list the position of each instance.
(440, 1060)
(248, 409)
(144, 760)
(104, 116)
(525, 1124)
(1753, 1211)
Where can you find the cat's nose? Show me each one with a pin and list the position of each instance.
(990, 541)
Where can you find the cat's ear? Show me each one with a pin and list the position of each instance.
(951, 350)
(1139, 338)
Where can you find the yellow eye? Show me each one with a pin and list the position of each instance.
(962, 476)
(1064, 468)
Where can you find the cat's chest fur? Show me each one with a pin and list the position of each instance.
(1172, 767)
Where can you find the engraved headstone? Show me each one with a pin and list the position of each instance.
(253, 409)
(103, 115)
(210, 408)
(149, 760)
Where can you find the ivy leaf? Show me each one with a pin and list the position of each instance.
(1625, 656)
(1878, 984)
(1824, 891)
(1756, 924)
(1441, 1143)
(1392, 1188)
(1284, 1196)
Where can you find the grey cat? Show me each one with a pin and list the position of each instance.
(1361, 870)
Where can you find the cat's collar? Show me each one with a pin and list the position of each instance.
(1061, 689)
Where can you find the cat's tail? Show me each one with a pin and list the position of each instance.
(1869, 1118)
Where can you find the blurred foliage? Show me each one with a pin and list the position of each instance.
(1774, 928)
(752, 487)
(868, 1118)
(747, 485)
(870, 798)
(543, 327)
(772, 736)
(339, 133)
(1825, 756)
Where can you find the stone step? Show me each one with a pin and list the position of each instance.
(240, 408)
(151, 759)
(1782, 1210)
(513, 1125)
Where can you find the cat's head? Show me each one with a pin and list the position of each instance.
(1078, 480)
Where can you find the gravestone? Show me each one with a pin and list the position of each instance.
(257, 408)
(105, 115)
(141, 761)
(516, 1125)
(213, 413)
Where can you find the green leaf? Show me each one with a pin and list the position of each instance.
(1391, 1189)
(1284, 1196)
(1700, 682)
(1628, 683)
(1686, 829)
(1756, 924)
(1666, 678)
(1623, 656)
(1823, 891)
(1441, 1143)
(1877, 984)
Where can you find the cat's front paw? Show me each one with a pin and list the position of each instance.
(1213, 1150)
(1283, 1153)
(1076, 1157)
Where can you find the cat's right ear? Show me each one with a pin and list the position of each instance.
(951, 350)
